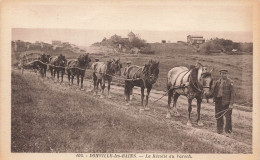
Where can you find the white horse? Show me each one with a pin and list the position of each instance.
(193, 83)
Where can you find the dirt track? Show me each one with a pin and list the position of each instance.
(239, 142)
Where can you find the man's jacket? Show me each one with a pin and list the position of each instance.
(227, 91)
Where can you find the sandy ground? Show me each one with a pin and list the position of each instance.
(239, 142)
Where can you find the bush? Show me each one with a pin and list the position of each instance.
(222, 45)
(138, 43)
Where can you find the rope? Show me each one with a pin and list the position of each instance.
(225, 111)
(162, 96)
(61, 66)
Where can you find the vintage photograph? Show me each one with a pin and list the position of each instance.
(132, 77)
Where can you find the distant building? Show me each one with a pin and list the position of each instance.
(131, 36)
(56, 43)
(163, 41)
(195, 39)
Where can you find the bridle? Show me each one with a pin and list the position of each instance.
(113, 67)
(198, 88)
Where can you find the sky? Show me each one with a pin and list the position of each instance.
(86, 23)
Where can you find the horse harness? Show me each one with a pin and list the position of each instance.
(183, 86)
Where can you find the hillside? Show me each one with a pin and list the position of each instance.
(20, 47)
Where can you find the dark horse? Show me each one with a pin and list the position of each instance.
(56, 65)
(143, 77)
(104, 71)
(44, 60)
(77, 67)
(193, 83)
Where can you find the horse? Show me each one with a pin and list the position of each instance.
(77, 67)
(143, 77)
(195, 82)
(104, 71)
(57, 64)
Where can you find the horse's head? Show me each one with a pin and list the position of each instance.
(84, 59)
(207, 83)
(114, 66)
(151, 71)
(48, 58)
(62, 61)
(205, 80)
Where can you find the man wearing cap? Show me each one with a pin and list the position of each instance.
(128, 64)
(223, 96)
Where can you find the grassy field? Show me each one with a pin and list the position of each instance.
(173, 55)
(47, 117)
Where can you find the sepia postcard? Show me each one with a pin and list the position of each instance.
(123, 79)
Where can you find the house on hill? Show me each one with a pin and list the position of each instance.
(195, 39)
(131, 36)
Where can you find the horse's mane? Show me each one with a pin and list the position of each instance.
(109, 66)
(82, 59)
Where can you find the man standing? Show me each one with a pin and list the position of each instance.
(128, 64)
(223, 97)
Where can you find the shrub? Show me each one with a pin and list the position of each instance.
(222, 45)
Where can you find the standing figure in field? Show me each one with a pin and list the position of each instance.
(56, 65)
(77, 67)
(103, 72)
(223, 96)
(143, 77)
(195, 82)
(128, 64)
(45, 60)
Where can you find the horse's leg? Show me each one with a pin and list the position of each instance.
(142, 96)
(54, 73)
(62, 74)
(97, 83)
(126, 85)
(94, 84)
(51, 72)
(170, 93)
(45, 71)
(149, 88)
(58, 75)
(72, 77)
(68, 71)
(127, 92)
(102, 87)
(81, 81)
(199, 100)
(78, 79)
(189, 110)
(174, 106)
(108, 88)
(131, 94)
